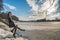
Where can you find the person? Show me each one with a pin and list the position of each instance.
(11, 24)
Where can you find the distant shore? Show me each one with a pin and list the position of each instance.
(41, 21)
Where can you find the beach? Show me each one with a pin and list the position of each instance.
(38, 25)
(40, 30)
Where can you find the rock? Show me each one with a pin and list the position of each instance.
(20, 38)
(4, 26)
(6, 35)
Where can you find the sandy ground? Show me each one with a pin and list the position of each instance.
(41, 30)
(40, 23)
(44, 34)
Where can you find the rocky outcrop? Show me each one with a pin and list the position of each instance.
(5, 33)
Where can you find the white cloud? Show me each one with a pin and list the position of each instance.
(53, 17)
(24, 19)
(10, 6)
(49, 6)
(32, 3)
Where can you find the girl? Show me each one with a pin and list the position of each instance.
(11, 24)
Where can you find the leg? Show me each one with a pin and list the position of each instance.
(19, 28)
(14, 31)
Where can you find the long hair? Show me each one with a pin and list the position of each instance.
(9, 14)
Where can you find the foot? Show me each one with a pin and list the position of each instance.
(14, 35)
(12, 31)
(22, 30)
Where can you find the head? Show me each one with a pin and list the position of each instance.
(9, 14)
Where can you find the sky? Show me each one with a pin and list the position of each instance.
(48, 9)
(19, 8)
(33, 9)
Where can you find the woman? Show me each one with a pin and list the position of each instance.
(11, 24)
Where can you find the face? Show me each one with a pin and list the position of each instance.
(10, 14)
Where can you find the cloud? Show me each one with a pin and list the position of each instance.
(39, 8)
(32, 3)
(10, 6)
(23, 18)
(53, 17)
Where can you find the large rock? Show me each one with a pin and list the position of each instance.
(6, 35)
(19, 38)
